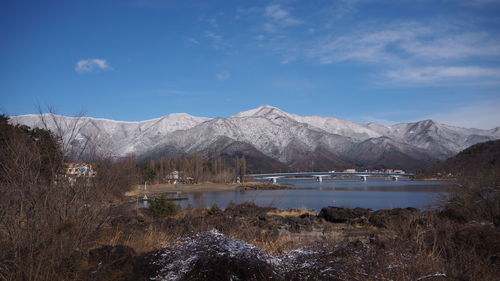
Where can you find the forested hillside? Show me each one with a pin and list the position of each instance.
(479, 163)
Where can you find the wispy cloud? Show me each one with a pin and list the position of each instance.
(191, 40)
(218, 41)
(260, 37)
(339, 9)
(481, 115)
(279, 18)
(456, 46)
(430, 52)
(278, 14)
(222, 76)
(404, 42)
(442, 73)
(211, 21)
(90, 65)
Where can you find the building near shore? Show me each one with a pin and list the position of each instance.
(173, 177)
(79, 170)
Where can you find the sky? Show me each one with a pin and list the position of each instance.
(383, 61)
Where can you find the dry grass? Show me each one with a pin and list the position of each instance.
(292, 212)
(142, 241)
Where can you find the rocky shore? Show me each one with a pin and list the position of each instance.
(247, 242)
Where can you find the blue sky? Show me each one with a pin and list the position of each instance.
(364, 60)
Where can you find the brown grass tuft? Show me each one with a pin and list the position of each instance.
(292, 212)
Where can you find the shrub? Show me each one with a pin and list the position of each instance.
(162, 207)
(214, 210)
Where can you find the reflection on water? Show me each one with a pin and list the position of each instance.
(374, 194)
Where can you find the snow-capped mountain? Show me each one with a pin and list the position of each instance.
(115, 138)
(270, 138)
(440, 140)
(328, 124)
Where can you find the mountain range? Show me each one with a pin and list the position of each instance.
(269, 138)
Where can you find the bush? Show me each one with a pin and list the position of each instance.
(162, 207)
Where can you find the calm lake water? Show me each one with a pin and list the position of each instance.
(374, 194)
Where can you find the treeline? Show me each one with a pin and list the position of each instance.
(194, 169)
(479, 163)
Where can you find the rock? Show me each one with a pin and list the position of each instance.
(144, 267)
(307, 215)
(297, 224)
(395, 217)
(453, 214)
(341, 214)
(111, 261)
(213, 256)
(246, 209)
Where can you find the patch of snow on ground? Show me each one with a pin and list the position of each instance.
(212, 255)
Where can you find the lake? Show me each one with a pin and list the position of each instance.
(376, 193)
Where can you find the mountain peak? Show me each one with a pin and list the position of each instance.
(262, 111)
(178, 115)
(266, 106)
(428, 121)
(182, 117)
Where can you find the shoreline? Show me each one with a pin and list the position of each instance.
(436, 179)
(138, 190)
(157, 189)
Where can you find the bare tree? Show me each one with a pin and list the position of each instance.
(240, 167)
(68, 131)
(45, 218)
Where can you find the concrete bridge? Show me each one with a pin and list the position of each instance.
(320, 175)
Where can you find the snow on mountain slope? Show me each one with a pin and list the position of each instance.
(270, 135)
(118, 137)
(296, 141)
(158, 130)
(330, 125)
(439, 139)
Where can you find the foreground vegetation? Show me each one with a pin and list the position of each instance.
(55, 229)
(46, 219)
